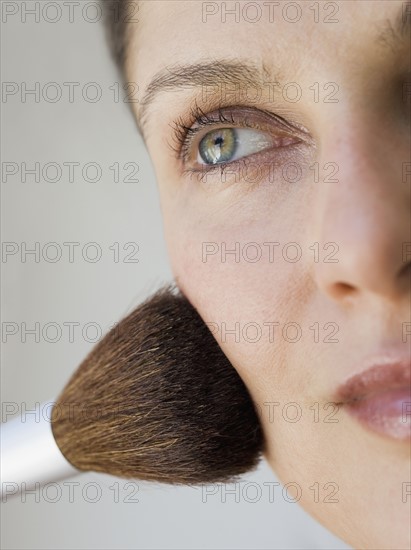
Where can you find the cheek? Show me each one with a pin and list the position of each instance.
(242, 288)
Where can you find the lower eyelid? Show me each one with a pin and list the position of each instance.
(270, 159)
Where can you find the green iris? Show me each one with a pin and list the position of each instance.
(218, 146)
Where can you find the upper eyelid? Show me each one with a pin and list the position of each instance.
(198, 115)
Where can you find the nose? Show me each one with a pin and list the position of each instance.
(363, 213)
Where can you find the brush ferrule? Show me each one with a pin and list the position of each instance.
(30, 456)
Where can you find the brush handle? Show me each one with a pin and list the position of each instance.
(30, 456)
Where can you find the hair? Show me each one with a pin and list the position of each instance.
(117, 17)
(157, 399)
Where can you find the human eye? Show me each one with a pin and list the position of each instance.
(229, 136)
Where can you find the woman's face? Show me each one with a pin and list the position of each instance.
(286, 209)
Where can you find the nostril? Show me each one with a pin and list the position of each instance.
(341, 289)
(406, 270)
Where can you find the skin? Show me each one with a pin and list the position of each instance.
(365, 294)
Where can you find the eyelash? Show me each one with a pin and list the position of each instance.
(184, 133)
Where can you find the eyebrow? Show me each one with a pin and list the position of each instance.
(234, 73)
(397, 31)
(202, 74)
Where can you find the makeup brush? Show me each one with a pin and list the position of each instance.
(156, 399)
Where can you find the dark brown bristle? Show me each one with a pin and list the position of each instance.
(157, 399)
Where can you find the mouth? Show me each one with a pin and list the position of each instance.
(380, 399)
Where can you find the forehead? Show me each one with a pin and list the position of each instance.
(290, 37)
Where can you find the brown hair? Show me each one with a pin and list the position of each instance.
(157, 399)
(118, 15)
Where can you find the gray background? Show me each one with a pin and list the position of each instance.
(82, 292)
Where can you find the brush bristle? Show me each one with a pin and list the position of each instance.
(156, 399)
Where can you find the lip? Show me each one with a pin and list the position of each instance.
(380, 398)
